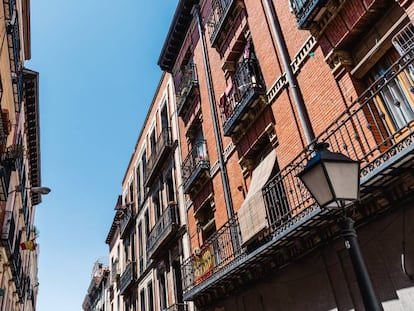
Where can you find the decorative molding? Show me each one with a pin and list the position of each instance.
(337, 59)
(298, 61)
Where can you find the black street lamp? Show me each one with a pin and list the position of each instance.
(333, 180)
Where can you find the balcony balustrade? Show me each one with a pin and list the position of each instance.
(187, 89)
(195, 168)
(17, 271)
(218, 19)
(127, 277)
(306, 10)
(161, 150)
(164, 230)
(316, 15)
(362, 132)
(13, 39)
(8, 235)
(245, 100)
(126, 221)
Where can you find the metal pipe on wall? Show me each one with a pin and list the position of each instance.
(291, 78)
(213, 107)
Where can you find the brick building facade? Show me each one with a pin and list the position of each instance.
(257, 84)
(212, 210)
(20, 165)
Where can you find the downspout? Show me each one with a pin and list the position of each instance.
(291, 78)
(217, 136)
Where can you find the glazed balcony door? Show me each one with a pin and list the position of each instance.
(395, 99)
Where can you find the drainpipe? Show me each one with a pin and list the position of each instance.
(291, 78)
(213, 107)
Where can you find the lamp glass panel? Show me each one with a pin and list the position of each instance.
(344, 177)
(315, 180)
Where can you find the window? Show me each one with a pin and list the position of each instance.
(140, 248)
(144, 163)
(394, 99)
(170, 187)
(153, 141)
(164, 117)
(131, 191)
(150, 297)
(142, 300)
(138, 178)
(163, 291)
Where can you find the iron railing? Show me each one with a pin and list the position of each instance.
(164, 142)
(195, 162)
(220, 9)
(127, 277)
(303, 9)
(186, 84)
(126, 220)
(362, 132)
(164, 227)
(246, 83)
(8, 235)
(13, 38)
(17, 271)
(403, 41)
(215, 254)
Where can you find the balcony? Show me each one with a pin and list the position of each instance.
(187, 89)
(13, 40)
(195, 168)
(127, 278)
(126, 222)
(8, 233)
(17, 272)
(296, 224)
(178, 307)
(165, 228)
(243, 103)
(161, 150)
(307, 10)
(315, 15)
(220, 19)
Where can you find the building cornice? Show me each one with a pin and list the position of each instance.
(176, 34)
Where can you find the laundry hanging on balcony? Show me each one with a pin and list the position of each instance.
(252, 213)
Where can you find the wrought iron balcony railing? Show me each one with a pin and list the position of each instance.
(8, 233)
(163, 230)
(215, 254)
(220, 11)
(127, 277)
(126, 221)
(196, 166)
(13, 39)
(305, 10)
(247, 88)
(362, 132)
(161, 149)
(187, 88)
(17, 271)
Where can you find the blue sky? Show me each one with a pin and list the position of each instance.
(98, 73)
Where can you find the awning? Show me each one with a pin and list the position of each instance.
(252, 213)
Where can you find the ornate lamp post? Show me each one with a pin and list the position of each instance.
(333, 180)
